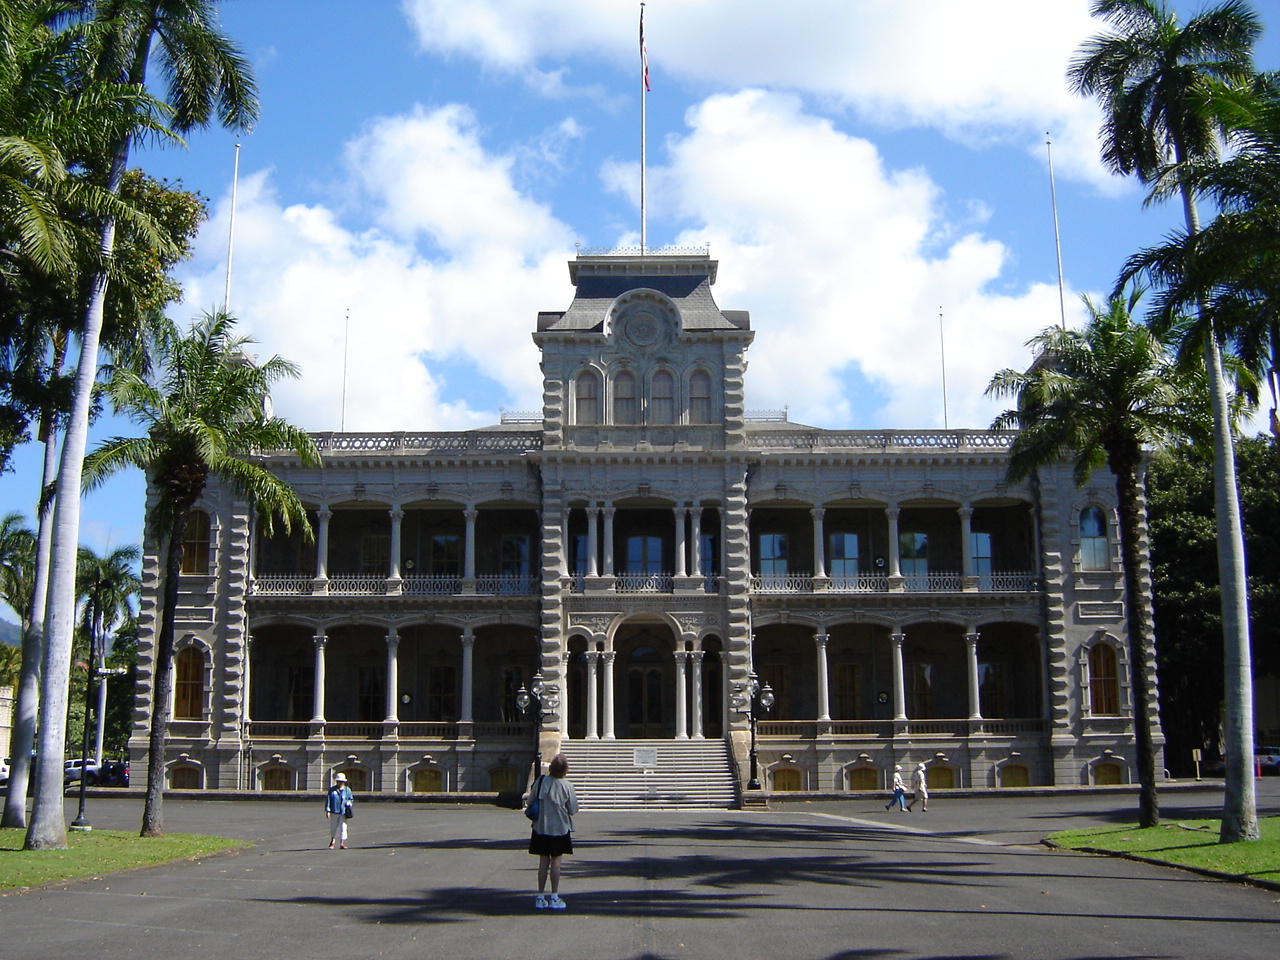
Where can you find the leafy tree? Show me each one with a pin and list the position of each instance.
(1187, 606)
(109, 586)
(205, 413)
(1100, 396)
(206, 77)
(1150, 72)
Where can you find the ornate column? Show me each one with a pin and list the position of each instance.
(695, 534)
(819, 543)
(246, 697)
(820, 641)
(969, 581)
(317, 697)
(609, 512)
(695, 693)
(680, 514)
(899, 679)
(393, 673)
(468, 674)
(593, 695)
(469, 550)
(975, 694)
(895, 546)
(682, 692)
(608, 733)
(322, 543)
(593, 541)
(397, 518)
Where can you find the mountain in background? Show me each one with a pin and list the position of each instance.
(10, 633)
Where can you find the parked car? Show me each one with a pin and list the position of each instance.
(112, 773)
(4, 771)
(1267, 759)
(71, 771)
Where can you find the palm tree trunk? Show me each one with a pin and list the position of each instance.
(27, 701)
(1141, 641)
(162, 671)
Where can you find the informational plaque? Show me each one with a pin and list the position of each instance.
(646, 758)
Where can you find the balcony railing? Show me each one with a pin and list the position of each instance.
(281, 585)
(933, 583)
(867, 583)
(644, 583)
(505, 585)
(916, 729)
(375, 730)
(1008, 582)
(431, 585)
(782, 583)
(357, 585)
(884, 440)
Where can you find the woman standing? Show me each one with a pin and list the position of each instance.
(337, 808)
(553, 830)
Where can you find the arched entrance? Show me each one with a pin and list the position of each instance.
(646, 682)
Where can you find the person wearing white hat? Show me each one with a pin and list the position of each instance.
(337, 810)
(899, 791)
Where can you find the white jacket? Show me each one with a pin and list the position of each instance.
(559, 804)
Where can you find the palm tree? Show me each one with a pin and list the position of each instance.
(109, 586)
(1150, 73)
(17, 550)
(205, 413)
(206, 77)
(1102, 395)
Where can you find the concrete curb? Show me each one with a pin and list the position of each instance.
(1138, 858)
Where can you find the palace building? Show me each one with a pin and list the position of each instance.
(673, 591)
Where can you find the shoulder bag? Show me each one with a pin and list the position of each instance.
(535, 805)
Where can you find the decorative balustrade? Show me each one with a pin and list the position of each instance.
(426, 730)
(885, 729)
(431, 585)
(782, 583)
(885, 440)
(866, 583)
(503, 729)
(643, 583)
(1008, 582)
(357, 585)
(400, 444)
(506, 585)
(281, 585)
(279, 730)
(354, 731)
(933, 583)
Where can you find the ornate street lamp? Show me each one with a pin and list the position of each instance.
(751, 699)
(548, 700)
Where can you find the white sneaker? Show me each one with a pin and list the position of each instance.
(540, 903)
(556, 902)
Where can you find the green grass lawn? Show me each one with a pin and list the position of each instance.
(1187, 843)
(96, 853)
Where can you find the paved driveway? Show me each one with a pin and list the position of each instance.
(814, 880)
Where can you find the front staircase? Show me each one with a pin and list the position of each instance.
(687, 774)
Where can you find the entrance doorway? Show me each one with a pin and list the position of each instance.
(645, 681)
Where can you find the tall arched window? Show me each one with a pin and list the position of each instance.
(195, 544)
(662, 398)
(588, 399)
(700, 397)
(624, 398)
(188, 685)
(1095, 545)
(1104, 681)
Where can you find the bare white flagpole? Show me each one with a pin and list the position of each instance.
(644, 90)
(346, 340)
(231, 232)
(942, 345)
(1057, 238)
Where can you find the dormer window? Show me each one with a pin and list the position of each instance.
(700, 397)
(587, 393)
(624, 398)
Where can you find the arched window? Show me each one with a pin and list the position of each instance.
(184, 777)
(504, 781)
(277, 778)
(624, 398)
(1095, 545)
(700, 397)
(787, 780)
(1015, 775)
(587, 410)
(195, 544)
(662, 401)
(1104, 681)
(863, 778)
(428, 780)
(188, 685)
(1107, 774)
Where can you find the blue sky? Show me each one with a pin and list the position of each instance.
(857, 167)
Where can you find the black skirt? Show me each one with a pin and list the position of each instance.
(543, 846)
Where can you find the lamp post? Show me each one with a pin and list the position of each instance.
(752, 699)
(548, 702)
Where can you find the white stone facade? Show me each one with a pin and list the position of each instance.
(644, 545)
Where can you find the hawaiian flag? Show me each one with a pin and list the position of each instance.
(644, 52)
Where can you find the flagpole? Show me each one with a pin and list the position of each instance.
(1057, 237)
(942, 349)
(231, 232)
(644, 91)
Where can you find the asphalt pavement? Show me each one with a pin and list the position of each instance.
(836, 880)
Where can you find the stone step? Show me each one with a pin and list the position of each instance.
(684, 774)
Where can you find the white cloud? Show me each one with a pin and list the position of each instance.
(991, 71)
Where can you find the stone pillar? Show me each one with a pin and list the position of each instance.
(899, 678)
(609, 733)
(895, 546)
(317, 714)
(393, 674)
(680, 514)
(322, 543)
(966, 547)
(593, 695)
(469, 549)
(695, 694)
(696, 544)
(397, 518)
(819, 543)
(824, 684)
(975, 694)
(682, 693)
(468, 674)
(609, 512)
(593, 541)
(246, 698)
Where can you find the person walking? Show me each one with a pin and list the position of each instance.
(919, 789)
(337, 810)
(899, 791)
(552, 835)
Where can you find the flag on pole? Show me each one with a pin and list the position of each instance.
(644, 53)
